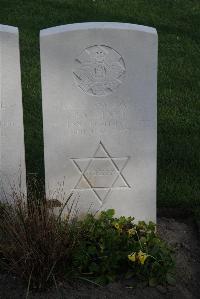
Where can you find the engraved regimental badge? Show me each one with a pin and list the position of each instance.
(99, 70)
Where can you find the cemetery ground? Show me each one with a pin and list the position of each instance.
(178, 25)
(182, 237)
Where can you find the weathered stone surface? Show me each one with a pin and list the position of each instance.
(12, 157)
(99, 112)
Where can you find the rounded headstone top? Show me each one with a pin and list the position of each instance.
(97, 25)
(9, 29)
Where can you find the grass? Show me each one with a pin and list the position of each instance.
(36, 245)
(178, 26)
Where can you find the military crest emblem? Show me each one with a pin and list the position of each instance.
(99, 70)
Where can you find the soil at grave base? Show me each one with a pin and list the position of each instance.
(184, 239)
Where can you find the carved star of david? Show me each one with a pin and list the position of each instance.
(101, 173)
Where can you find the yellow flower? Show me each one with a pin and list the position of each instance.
(101, 248)
(117, 226)
(131, 232)
(142, 257)
(132, 257)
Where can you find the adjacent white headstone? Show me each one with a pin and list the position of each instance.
(99, 111)
(12, 157)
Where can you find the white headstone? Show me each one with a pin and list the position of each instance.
(12, 157)
(99, 113)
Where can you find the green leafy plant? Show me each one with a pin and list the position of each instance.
(42, 248)
(112, 248)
